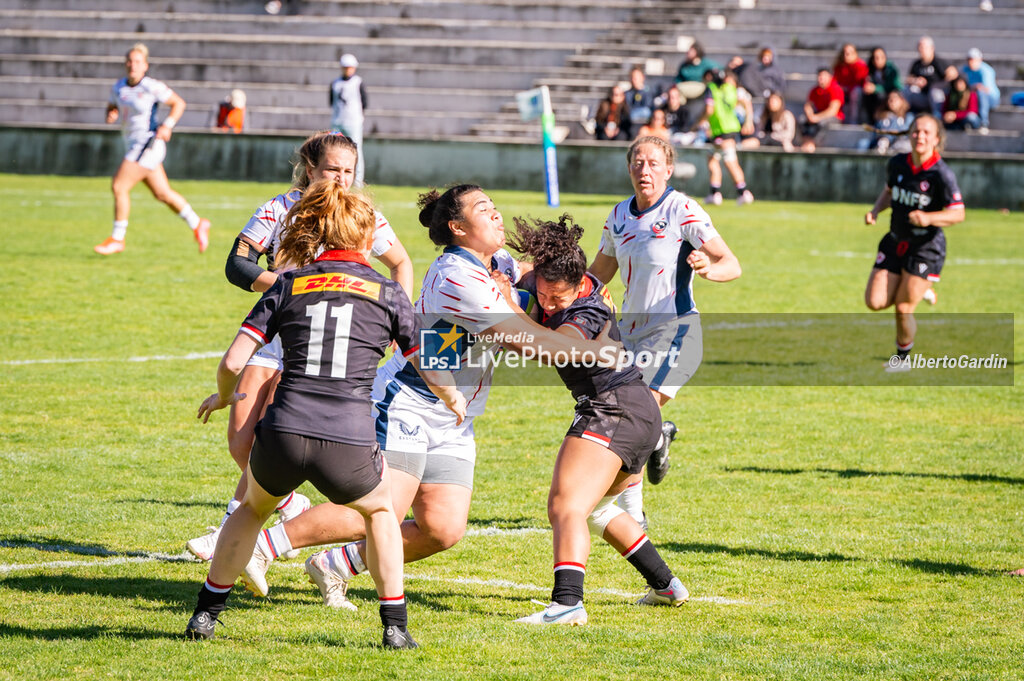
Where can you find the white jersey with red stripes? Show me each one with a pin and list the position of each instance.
(651, 248)
(137, 105)
(458, 291)
(264, 228)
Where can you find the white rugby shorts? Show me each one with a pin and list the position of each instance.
(682, 334)
(270, 355)
(410, 423)
(148, 154)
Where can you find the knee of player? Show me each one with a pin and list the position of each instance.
(445, 536)
(905, 307)
(875, 303)
(605, 512)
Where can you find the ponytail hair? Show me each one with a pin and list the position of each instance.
(326, 217)
(437, 210)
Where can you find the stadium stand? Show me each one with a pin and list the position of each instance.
(449, 68)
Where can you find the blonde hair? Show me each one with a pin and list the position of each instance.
(326, 218)
(668, 149)
(141, 49)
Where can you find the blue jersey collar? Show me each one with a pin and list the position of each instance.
(636, 211)
(463, 253)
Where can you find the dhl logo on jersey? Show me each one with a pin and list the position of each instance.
(335, 282)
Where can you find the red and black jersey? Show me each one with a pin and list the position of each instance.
(335, 317)
(930, 188)
(588, 315)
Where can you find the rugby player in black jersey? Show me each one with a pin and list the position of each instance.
(923, 194)
(335, 317)
(616, 426)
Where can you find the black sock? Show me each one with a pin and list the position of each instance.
(212, 601)
(741, 187)
(716, 189)
(903, 350)
(649, 563)
(393, 612)
(568, 583)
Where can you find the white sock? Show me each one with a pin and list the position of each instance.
(346, 562)
(287, 500)
(661, 441)
(279, 540)
(632, 501)
(120, 229)
(189, 216)
(232, 506)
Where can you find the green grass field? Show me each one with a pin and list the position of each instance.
(829, 532)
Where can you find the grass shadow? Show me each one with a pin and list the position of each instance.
(921, 565)
(180, 504)
(859, 473)
(84, 633)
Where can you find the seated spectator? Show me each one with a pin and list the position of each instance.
(692, 69)
(982, 79)
(883, 78)
(850, 72)
(763, 78)
(231, 113)
(677, 117)
(656, 126)
(961, 110)
(824, 106)
(613, 117)
(891, 129)
(778, 124)
(927, 80)
(640, 97)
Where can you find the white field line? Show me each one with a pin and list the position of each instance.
(712, 326)
(79, 360)
(146, 557)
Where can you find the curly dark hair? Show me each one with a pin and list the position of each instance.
(553, 246)
(437, 210)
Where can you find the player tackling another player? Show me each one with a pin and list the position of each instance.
(923, 194)
(134, 100)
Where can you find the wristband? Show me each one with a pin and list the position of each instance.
(169, 123)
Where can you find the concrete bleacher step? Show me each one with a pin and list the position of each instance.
(258, 27)
(258, 119)
(208, 94)
(212, 46)
(860, 20)
(868, 5)
(753, 36)
(320, 73)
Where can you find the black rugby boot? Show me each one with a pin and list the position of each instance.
(657, 465)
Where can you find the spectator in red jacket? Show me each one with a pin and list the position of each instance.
(961, 109)
(850, 72)
(824, 105)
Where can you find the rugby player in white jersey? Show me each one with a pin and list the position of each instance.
(134, 100)
(657, 240)
(324, 155)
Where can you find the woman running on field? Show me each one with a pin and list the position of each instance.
(923, 194)
(134, 100)
(657, 240)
